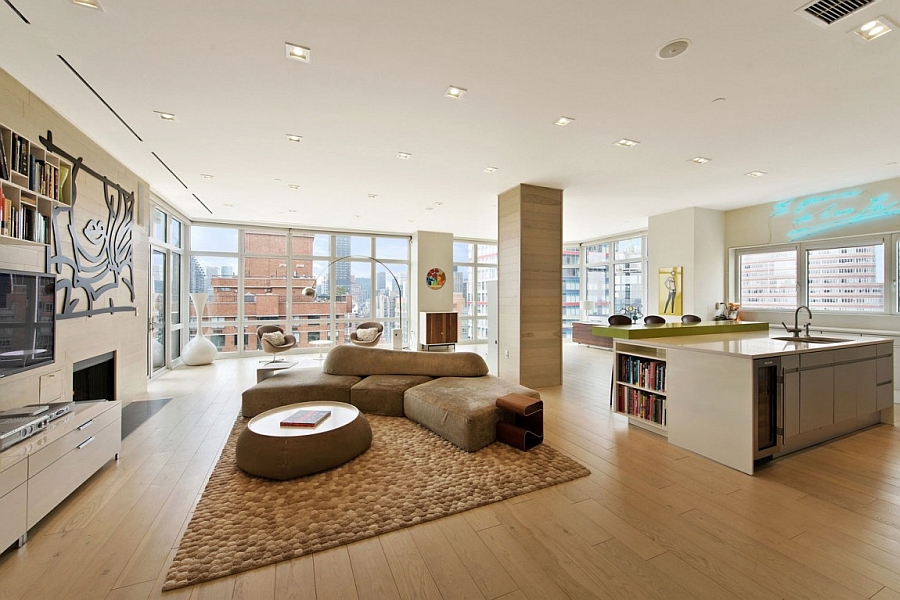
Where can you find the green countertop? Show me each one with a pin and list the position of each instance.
(641, 331)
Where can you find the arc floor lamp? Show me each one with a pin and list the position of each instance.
(397, 334)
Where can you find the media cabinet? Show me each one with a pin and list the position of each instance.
(40, 472)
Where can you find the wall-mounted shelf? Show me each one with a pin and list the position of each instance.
(32, 182)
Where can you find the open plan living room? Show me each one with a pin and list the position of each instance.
(462, 300)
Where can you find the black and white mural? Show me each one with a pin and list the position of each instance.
(92, 258)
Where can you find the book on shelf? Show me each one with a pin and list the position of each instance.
(4, 161)
(306, 418)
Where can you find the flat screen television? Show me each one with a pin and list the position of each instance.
(27, 321)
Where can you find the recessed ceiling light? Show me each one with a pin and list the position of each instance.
(455, 92)
(228, 205)
(626, 143)
(563, 121)
(205, 176)
(404, 155)
(372, 196)
(874, 28)
(293, 186)
(490, 169)
(295, 52)
(294, 138)
(165, 116)
(429, 208)
(755, 174)
(88, 4)
(438, 203)
(293, 210)
(700, 160)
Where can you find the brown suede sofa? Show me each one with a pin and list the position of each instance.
(449, 393)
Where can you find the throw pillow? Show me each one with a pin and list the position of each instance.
(366, 334)
(276, 338)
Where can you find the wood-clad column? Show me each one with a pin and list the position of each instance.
(530, 280)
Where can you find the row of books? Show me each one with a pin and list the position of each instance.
(641, 404)
(43, 178)
(18, 156)
(643, 372)
(23, 221)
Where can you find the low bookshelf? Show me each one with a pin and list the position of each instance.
(639, 390)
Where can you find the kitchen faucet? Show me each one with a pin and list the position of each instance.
(796, 329)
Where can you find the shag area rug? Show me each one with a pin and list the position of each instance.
(408, 476)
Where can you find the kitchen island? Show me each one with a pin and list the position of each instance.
(743, 398)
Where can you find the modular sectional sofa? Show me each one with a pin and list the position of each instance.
(449, 393)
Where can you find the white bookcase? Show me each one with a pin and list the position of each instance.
(639, 386)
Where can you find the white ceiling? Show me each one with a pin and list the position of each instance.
(816, 108)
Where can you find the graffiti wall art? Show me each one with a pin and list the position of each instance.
(93, 258)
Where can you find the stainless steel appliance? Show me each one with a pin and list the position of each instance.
(767, 407)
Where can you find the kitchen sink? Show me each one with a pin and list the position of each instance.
(811, 339)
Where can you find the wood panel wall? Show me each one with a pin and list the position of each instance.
(530, 280)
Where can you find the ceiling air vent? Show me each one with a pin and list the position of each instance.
(826, 12)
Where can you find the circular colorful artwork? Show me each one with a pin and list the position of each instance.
(436, 278)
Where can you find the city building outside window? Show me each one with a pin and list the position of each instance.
(474, 264)
(257, 276)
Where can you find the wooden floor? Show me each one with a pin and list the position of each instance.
(652, 521)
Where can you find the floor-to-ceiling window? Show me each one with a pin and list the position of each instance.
(166, 259)
(317, 285)
(612, 277)
(474, 264)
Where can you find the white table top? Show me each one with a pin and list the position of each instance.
(320, 343)
(752, 344)
(269, 422)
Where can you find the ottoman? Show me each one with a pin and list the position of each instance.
(462, 410)
(267, 449)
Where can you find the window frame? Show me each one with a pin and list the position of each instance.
(891, 251)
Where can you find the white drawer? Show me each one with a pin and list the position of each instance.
(83, 429)
(13, 511)
(13, 477)
(53, 484)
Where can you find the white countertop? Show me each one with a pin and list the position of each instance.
(757, 344)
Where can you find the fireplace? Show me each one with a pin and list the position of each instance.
(95, 378)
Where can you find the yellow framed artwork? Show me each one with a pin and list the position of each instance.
(670, 291)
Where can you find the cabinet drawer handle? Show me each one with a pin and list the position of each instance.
(84, 443)
(86, 425)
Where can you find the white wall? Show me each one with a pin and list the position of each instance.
(692, 238)
(430, 249)
(868, 209)
(84, 337)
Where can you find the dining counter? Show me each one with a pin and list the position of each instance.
(642, 331)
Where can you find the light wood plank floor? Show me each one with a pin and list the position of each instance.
(652, 521)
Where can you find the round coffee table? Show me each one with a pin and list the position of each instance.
(268, 449)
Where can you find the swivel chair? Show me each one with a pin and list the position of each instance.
(354, 337)
(267, 344)
(653, 320)
(690, 319)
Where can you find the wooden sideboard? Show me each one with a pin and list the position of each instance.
(582, 334)
(438, 329)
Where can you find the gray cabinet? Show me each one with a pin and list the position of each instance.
(816, 390)
(854, 382)
(832, 386)
(791, 411)
(884, 376)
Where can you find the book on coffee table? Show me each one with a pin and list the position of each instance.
(306, 418)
